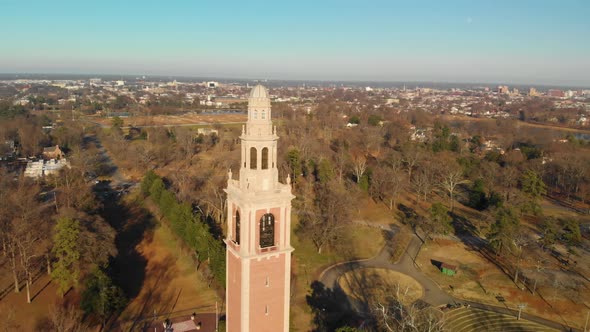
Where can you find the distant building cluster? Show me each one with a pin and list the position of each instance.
(41, 168)
(128, 97)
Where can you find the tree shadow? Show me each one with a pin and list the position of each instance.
(131, 223)
(40, 290)
(158, 298)
(407, 214)
(330, 307)
(214, 227)
(463, 226)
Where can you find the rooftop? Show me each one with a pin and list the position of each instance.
(259, 91)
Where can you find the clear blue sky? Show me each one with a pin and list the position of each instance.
(516, 41)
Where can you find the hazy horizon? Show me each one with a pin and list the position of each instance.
(285, 82)
(520, 43)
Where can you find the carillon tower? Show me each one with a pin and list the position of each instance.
(258, 236)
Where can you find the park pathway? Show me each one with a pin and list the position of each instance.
(433, 294)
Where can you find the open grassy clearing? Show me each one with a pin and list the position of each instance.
(191, 119)
(308, 264)
(172, 282)
(481, 281)
(371, 284)
(18, 315)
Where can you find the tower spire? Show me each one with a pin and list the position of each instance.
(258, 171)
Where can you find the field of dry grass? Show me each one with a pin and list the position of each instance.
(172, 283)
(371, 284)
(480, 280)
(18, 315)
(184, 119)
(365, 242)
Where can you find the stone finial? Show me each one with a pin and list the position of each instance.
(229, 175)
(243, 130)
(288, 178)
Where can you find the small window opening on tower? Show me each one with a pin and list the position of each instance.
(263, 115)
(266, 310)
(267, 283)
(267, 231)
(255, 114)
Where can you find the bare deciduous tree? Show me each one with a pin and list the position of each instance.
(67, 319)
(324, 221)
(359, 166)
(451, 176)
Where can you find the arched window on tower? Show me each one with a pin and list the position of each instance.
(255, 114)
(237, 228)
(263, 115)
(264, 158)
(253, 158)
(267, 230)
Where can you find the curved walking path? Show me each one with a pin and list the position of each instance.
(433, 294)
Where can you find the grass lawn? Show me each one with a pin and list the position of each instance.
(370, 284)
(172, 283)
(18, 315)
(479, 280)
(365, 242)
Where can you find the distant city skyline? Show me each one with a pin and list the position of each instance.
(517, 42)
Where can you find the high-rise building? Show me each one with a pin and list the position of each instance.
(259, 221)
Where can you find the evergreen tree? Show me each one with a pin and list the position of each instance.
(477, 196)
(533, 186)
(66, 270)
(101, 297)
(502, 232)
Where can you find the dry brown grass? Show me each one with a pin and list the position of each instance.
(365, 242)
(172, 282)
(25, 316)
(480, 280)
(372, 284)
(184, 119)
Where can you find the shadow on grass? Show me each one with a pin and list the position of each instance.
(463, 226)
(330, 307)
(132, 223)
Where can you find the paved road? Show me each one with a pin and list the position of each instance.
(116, 176)
(433, 295)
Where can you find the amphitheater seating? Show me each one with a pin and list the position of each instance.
(476, 320)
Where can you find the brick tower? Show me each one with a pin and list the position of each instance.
(258, 237)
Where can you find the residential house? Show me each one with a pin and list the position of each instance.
(53, 152)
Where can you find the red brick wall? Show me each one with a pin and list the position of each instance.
(234, 281)
(271, 296)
